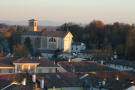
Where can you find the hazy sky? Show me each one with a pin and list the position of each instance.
(82, 11)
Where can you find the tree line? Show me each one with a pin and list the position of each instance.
(105, 38)
(110, 38)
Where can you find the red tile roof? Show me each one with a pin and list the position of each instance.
(55, 33)
(43, 62)
(7, 62)
(83, 66)
(61, 80)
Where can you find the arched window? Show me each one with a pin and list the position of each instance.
(52, 40)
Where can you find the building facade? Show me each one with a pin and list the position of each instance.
(77, 47)
(47, 40)
(29, 65)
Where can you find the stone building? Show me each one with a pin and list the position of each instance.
(47, 40)
(33, 24)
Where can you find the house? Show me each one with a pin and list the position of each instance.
(82, 66)
(77, 47)
(120, 65)
(115, 80)
(27, 64)
(47, 40)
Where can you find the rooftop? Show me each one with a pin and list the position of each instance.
(43, 62)
(54, 33)
(50, 33)
(80, 79)
(7, 62)
(121, 62)
(84, 66)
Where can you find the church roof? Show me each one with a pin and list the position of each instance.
(32, 33)
(55, 33)
(49, 33)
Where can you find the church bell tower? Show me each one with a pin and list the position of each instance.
(33, 25)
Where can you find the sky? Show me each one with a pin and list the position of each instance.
(80, 11)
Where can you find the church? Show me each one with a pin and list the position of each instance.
(47, 40)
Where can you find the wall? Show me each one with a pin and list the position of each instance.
(120, 67)
(4, 70)
(68, 42)
(46, 69)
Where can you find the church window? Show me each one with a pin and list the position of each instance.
(52, 40)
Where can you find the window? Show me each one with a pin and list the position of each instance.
(39, 70)
(10, 70)
(50, 70)
(52, 40)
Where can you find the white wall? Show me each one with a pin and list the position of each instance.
(68, 42)
(46, 70)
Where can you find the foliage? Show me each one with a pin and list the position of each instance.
(99, 36)
(130, 45)
(28, 45)
(20, 51)
(56, 53)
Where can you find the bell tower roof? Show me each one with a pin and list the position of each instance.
(33, 24)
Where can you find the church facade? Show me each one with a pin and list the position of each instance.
(47, 40)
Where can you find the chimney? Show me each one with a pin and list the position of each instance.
(24, 81)
(54, 62)
(42, 82)
(35, 86)
(39, 57)
(104, 82)
(34, 77)
(53, 87)
(117, 77)
(69, 60)
(73, 69)
(102, 62)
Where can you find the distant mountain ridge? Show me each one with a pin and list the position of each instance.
(25, 22)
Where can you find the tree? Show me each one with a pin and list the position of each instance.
(130, 45)
(56, 53)
(20, 51)
(107, 51)
(28, 45)
(44, 29)
(97, 23)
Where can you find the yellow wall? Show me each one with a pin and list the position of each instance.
(68, 42)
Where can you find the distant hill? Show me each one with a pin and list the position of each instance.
(25, 22)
